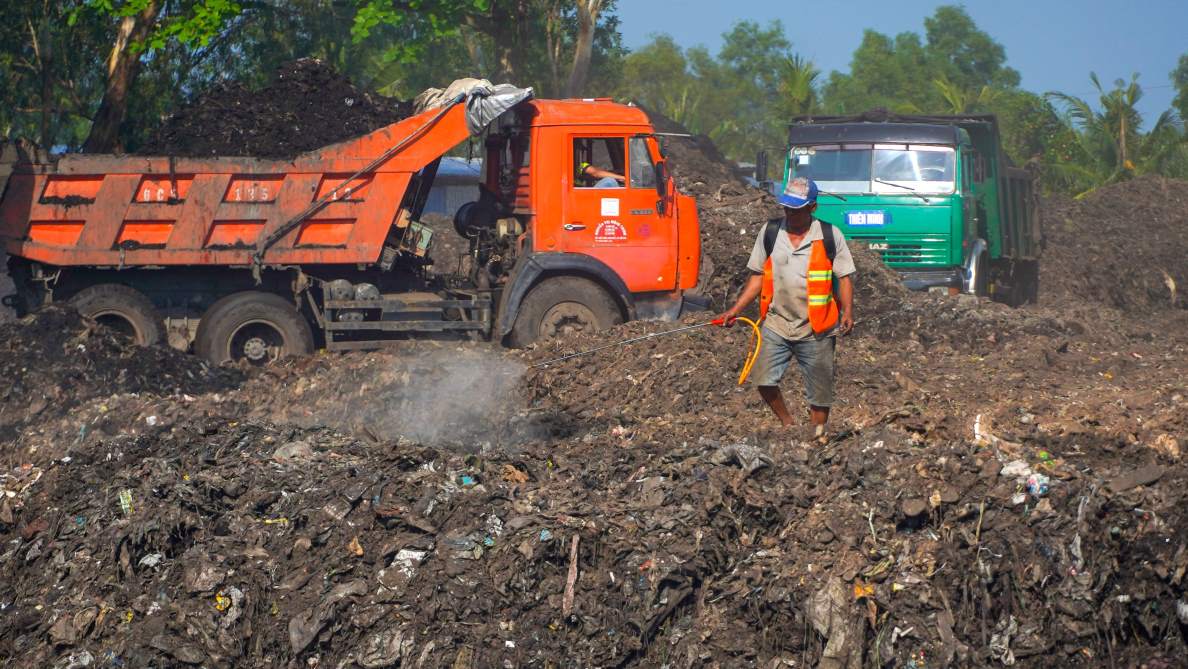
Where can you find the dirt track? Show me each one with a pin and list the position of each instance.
(286, 517)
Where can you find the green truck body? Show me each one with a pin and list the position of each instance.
(935, 195)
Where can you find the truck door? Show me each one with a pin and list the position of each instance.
(972, 194)
(614, 217)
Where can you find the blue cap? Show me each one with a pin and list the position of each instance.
(798, 193)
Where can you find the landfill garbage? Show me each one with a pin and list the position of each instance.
(1037, 485)
(126, 502)
(683, 551)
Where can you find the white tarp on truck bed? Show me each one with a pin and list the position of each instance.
(484, 101)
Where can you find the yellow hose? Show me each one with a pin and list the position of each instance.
(754, 355)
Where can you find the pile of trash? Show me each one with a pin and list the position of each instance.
(307, 105)
(666, 521)
(1123, 246)
(54, 360)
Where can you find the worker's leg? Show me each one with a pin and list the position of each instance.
(774, 357)
(815, 359)
(775, 400)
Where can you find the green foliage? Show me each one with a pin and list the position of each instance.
(424, 23)
(798, 86)
(884, 73)
(53, 71)
(742, 97)
(961, 53)
(955, 68)
(190, 23)
(1179, 78)
(1110, 145)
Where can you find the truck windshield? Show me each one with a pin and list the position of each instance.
(924, 169)
(835, 168)
(859, 168)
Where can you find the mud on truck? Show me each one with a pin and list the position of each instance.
(247, 259)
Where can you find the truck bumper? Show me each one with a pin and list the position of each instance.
(923, 279)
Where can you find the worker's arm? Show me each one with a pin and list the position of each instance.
(749, 293)
(599, 173)
(845, 298)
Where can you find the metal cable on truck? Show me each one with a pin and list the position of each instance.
(276, 235)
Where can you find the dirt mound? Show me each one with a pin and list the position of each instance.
(1123, 246)
(307, 106)
(54, 360)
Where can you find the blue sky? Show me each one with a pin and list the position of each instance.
(1054, 44)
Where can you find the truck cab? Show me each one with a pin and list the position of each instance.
(631, 237)
(934, 196)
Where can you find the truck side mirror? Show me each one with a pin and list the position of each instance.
(662, 187)
(661, 178)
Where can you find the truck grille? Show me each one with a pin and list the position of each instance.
(927, 251)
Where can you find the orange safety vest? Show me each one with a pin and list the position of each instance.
(822, 308)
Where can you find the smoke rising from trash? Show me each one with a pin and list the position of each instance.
(459, 398)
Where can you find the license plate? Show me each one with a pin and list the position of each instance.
(875, 217)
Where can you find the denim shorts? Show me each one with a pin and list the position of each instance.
(813, 356)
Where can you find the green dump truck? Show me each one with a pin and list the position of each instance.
(935, 195)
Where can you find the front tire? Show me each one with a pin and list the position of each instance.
(123, 309)
(563, 305)
(253, 326)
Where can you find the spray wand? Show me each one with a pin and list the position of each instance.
(746, 370)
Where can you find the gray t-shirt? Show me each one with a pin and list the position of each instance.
(788, 315)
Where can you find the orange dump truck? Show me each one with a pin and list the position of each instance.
(252, 259)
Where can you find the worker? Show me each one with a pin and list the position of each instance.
(598, 177)
(804, 280)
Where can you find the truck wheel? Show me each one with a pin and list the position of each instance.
(563, 305)
(1031, 293)
(123, 309)
(252, 326)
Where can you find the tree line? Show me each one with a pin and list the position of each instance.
(101, 75)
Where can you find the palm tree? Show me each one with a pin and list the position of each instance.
(964, 101)
(1110, 145)
(798, 85)
(681, 106)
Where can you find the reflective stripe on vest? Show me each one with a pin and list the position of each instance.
(822, 309)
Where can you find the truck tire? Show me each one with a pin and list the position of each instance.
(253, 326)
(123, 309)
(563, 305)
(981, 282)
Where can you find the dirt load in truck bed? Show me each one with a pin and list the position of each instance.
(308, 105)
(1003, 487)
